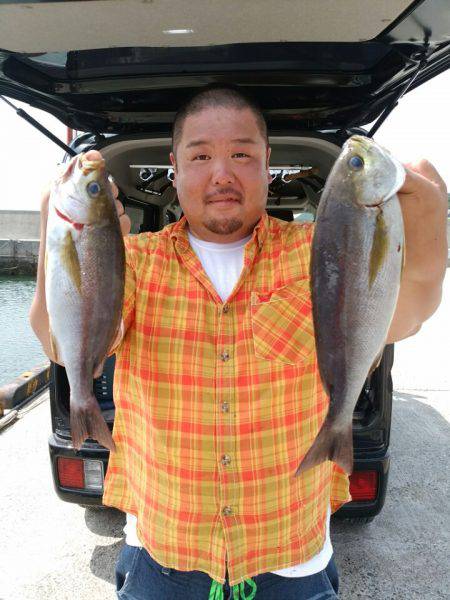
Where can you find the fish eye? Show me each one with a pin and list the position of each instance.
(356, 162)
(93, 189)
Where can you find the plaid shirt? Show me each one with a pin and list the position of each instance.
(216, 403)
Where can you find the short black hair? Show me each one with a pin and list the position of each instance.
(220, 95)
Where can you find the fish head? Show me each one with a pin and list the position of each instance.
(372, 174)
(83, 192)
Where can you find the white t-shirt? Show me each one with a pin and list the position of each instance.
(223, 264)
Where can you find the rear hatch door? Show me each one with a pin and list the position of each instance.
(126, 66)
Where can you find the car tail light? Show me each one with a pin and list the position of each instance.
(363, 485)
(80, 474)
(93, 475)
(71, 472)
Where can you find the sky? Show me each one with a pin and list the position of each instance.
(418, 128)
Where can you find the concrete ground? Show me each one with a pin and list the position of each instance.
(59, 551)
(404, 553)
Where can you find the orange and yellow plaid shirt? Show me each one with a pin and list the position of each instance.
(216, 404)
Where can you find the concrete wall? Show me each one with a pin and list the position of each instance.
(19, 224)
(19, 257)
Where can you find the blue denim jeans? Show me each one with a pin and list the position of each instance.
(140, 577)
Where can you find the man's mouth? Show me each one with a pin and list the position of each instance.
(224, 197)
(225, 201)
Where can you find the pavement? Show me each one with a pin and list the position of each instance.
(59, 551)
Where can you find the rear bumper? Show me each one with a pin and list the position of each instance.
(59, 447)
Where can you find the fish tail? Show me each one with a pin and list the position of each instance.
(330, 444)
(87, 421)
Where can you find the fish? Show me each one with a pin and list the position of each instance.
(357, 256)
(84, 287)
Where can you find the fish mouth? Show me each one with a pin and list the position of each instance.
(89, 166)
(358, 141)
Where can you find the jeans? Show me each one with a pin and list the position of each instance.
(140, 577)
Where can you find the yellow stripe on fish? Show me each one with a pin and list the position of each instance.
(70, 260)
(379, 248)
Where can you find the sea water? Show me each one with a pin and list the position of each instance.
(20, 350)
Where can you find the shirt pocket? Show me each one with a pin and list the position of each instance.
(282, 323)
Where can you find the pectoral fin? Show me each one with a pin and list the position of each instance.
(379, 247)
(70, 260)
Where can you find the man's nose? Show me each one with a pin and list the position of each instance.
(223, 173)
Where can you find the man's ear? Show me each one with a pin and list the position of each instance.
(269, 176)
(174, 165)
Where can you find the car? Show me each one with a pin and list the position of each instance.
(320, 71)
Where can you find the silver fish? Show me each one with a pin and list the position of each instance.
(356, 263)
(84, 286)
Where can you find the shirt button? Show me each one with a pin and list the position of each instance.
(224, 356)
(226, 308)
(227, 511)
(225, 407)
(226, 459)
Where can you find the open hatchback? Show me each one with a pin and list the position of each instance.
(117, 71)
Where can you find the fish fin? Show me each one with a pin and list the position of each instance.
(70, 260)
(330, 445)
(379, 247)
(376, 362)
(98, 370)
(403, 257)
(87, 422)
(53, 346)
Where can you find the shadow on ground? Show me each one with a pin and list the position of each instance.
(403, 553)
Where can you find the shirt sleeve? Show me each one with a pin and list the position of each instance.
(129, 297)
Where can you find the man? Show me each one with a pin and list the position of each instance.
(213, 409)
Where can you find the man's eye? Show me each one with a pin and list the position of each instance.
(201, 157)
(240, 154)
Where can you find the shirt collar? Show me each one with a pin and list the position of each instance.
(181, 241)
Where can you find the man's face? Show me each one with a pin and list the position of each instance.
(221, 173)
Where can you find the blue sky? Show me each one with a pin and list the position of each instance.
(418, 128)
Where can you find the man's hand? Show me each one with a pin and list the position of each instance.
(423, 198)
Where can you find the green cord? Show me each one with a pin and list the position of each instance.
(216, 591)
(251, 583)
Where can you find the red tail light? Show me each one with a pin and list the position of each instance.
(363, 485)
(71, 472)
